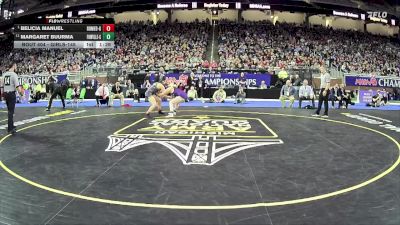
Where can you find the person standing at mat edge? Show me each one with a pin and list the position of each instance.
(60, 90)
(324, 92)
(11, 84)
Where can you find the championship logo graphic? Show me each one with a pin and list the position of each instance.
(201, 140)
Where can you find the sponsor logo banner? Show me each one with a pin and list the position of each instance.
(372, 81)
(218, 79)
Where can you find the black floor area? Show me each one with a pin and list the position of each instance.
(204, 166)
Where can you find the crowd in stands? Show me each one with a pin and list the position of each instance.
(257, 45)
(170, 46)
(250, 45)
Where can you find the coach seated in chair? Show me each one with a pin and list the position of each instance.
(102, 95)
(306, 93)
(346, 97)
(36, 93)
(335, 95)
(136, 96)
(287, 93)
(263, 85)
(219, 95)
(116, 92)
(130, 89)
(377, 100)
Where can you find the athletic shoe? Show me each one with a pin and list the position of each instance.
(148, 116)
(315, 115)
(161, 112)
(13, 131)
(325, 116)
(48, 110)
(170, 115)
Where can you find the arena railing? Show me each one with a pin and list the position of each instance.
(338, 73)
(104, 71)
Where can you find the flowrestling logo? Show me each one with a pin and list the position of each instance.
(366, 82)
(200, 140)
(377, 16)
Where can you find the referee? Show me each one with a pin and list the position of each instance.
(11, 84)
(324, 92)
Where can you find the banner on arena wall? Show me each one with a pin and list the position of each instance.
(41, 79)
(218, 79)
(366, 96)
(372, 81)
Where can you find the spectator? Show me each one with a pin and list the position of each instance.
(192, 81)
(287, 93)
(147, 83)
(36, 93)
(346, 97)
(242, 81)
(297, 81)
(384, 94)
(240, 96)
(335, 95)
(136, 96)
(219, 95)
(377, 100)
(130, 89)
(283, 75)
(192, 94)
(201, 85)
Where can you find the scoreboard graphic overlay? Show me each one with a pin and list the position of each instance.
(65, 33)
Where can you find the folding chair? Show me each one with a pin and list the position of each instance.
(82, 94)
(68, 97)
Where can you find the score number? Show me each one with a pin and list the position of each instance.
(108, 32)
(108, 27)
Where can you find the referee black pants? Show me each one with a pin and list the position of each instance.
(323, 99)
(11, 99)
(59, 92)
